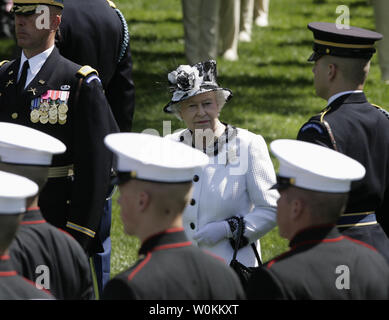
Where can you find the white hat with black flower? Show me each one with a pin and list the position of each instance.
(188, 81)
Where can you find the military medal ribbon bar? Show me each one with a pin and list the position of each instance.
(51, 107)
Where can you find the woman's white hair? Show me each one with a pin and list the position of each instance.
(221, 99)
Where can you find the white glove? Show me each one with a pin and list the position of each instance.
(212, 233)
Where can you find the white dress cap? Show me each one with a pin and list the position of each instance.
(14, 190)
(314, 167)
(23, 145)
(154, 158)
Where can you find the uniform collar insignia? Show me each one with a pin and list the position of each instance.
(32, 90)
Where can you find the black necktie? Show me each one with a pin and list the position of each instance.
(23, 77)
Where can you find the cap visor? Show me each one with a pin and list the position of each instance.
(280, 186)
(274, 186)
(24, 10)
(314, 57)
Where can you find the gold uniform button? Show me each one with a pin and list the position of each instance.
(14, 115)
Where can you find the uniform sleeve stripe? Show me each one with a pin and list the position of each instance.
(139, 267)
(84, 230)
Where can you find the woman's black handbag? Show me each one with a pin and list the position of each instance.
(243, 272)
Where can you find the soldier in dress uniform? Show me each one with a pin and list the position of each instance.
(154, 177)
(353, 126)
(95, 33)
(49, 257)
(313, 183)
(47, 92)
(14, 191)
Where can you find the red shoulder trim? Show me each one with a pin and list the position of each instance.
(318, 241)
(8, 273)
(139, 267)
(33, 222)
(65, 232)
(269, 264)
(361, 243)
(214, 255)
(33, 208)
(34, 285)
(172, 245)
(171, 230)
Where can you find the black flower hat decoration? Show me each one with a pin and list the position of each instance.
(188, 81)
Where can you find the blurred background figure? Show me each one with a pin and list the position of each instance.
(246, 20)
(261, 13)
(201, 19)
(95, 33)
(6, 21)
(381, 9)
(229, 29)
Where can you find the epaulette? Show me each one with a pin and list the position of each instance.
(3, 62)
(111, 4)
(86, 71)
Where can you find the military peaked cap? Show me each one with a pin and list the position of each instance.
(336, 40)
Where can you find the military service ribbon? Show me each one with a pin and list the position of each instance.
(51, 107)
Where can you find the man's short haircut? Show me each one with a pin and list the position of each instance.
(354, 71)
(325, 207)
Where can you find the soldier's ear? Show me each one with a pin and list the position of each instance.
(55, 19)
(296, 208)
(143, 200)
(332, 71)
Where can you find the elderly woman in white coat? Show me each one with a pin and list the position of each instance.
(236, 182)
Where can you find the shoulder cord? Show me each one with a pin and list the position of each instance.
(327, 125)
(386, 113)
(126, 35)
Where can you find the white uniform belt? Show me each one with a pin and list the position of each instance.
(60, 172)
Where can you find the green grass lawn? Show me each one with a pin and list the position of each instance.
(271, 82)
